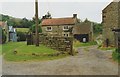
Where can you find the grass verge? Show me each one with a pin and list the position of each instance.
(80, 44)
(116, 55)
(19, 51)
(0, 49)
(107, 48)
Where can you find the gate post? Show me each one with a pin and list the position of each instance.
(71, 46)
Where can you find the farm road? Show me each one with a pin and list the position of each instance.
(88, 61)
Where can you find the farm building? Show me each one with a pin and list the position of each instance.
(83, 31)
(59, 26)
(12, 34)
(4, 27)
(110, 21)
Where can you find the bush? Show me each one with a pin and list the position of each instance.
(3, 37)
(21, 36)
(116, 55)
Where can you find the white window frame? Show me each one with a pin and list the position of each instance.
(47, 28)
(64, 27)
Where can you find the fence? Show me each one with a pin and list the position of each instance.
(64, 44)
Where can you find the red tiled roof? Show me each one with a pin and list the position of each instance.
(58, 21)
(2, 24)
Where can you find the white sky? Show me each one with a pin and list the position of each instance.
(91, 9)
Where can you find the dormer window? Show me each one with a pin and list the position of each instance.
(48, 28)
(65, 27)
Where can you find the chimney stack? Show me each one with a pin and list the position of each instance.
(74, 15)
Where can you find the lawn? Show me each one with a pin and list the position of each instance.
(27, 53)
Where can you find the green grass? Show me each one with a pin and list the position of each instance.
(79, 44)
(24, 52)
(22, 29)
(0, 49)
(116, 55)
(107, 48)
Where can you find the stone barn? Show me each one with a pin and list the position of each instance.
(83, 31)
(110, 21)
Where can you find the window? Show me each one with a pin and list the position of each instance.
(66, 35)
(49, 29)
(65, 27)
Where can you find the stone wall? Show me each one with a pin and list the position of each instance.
(64, 44)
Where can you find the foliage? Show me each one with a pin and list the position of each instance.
(18, 22)
(47, 16)
(32, 29)
(4, 17)
(25, 53)
(116, 55)
(21, 36)
(3, 37)
(97, 28)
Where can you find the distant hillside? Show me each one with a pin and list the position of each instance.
(16, 22)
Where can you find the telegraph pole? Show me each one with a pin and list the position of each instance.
(36, 22)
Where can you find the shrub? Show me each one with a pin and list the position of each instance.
(21, 36)
(3, 37)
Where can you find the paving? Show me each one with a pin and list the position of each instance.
(88, 61)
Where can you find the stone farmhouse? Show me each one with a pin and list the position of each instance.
(59, 26)
(66, 27)
(110, 21)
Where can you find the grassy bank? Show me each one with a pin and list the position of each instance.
(116, 55)
(19, 51)
(107, 48)
(0, 49)
(80, 44)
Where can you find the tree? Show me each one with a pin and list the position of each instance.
(97, 28)
(32, 29)
(47, 16)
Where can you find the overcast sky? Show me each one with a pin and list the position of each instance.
(87, 9)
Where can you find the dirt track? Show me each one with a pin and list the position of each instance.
(89, 61)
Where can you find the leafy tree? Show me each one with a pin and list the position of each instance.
(47, 16)
(32, 29)
(97, 28)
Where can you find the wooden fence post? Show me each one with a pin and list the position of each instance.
(71, 46)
